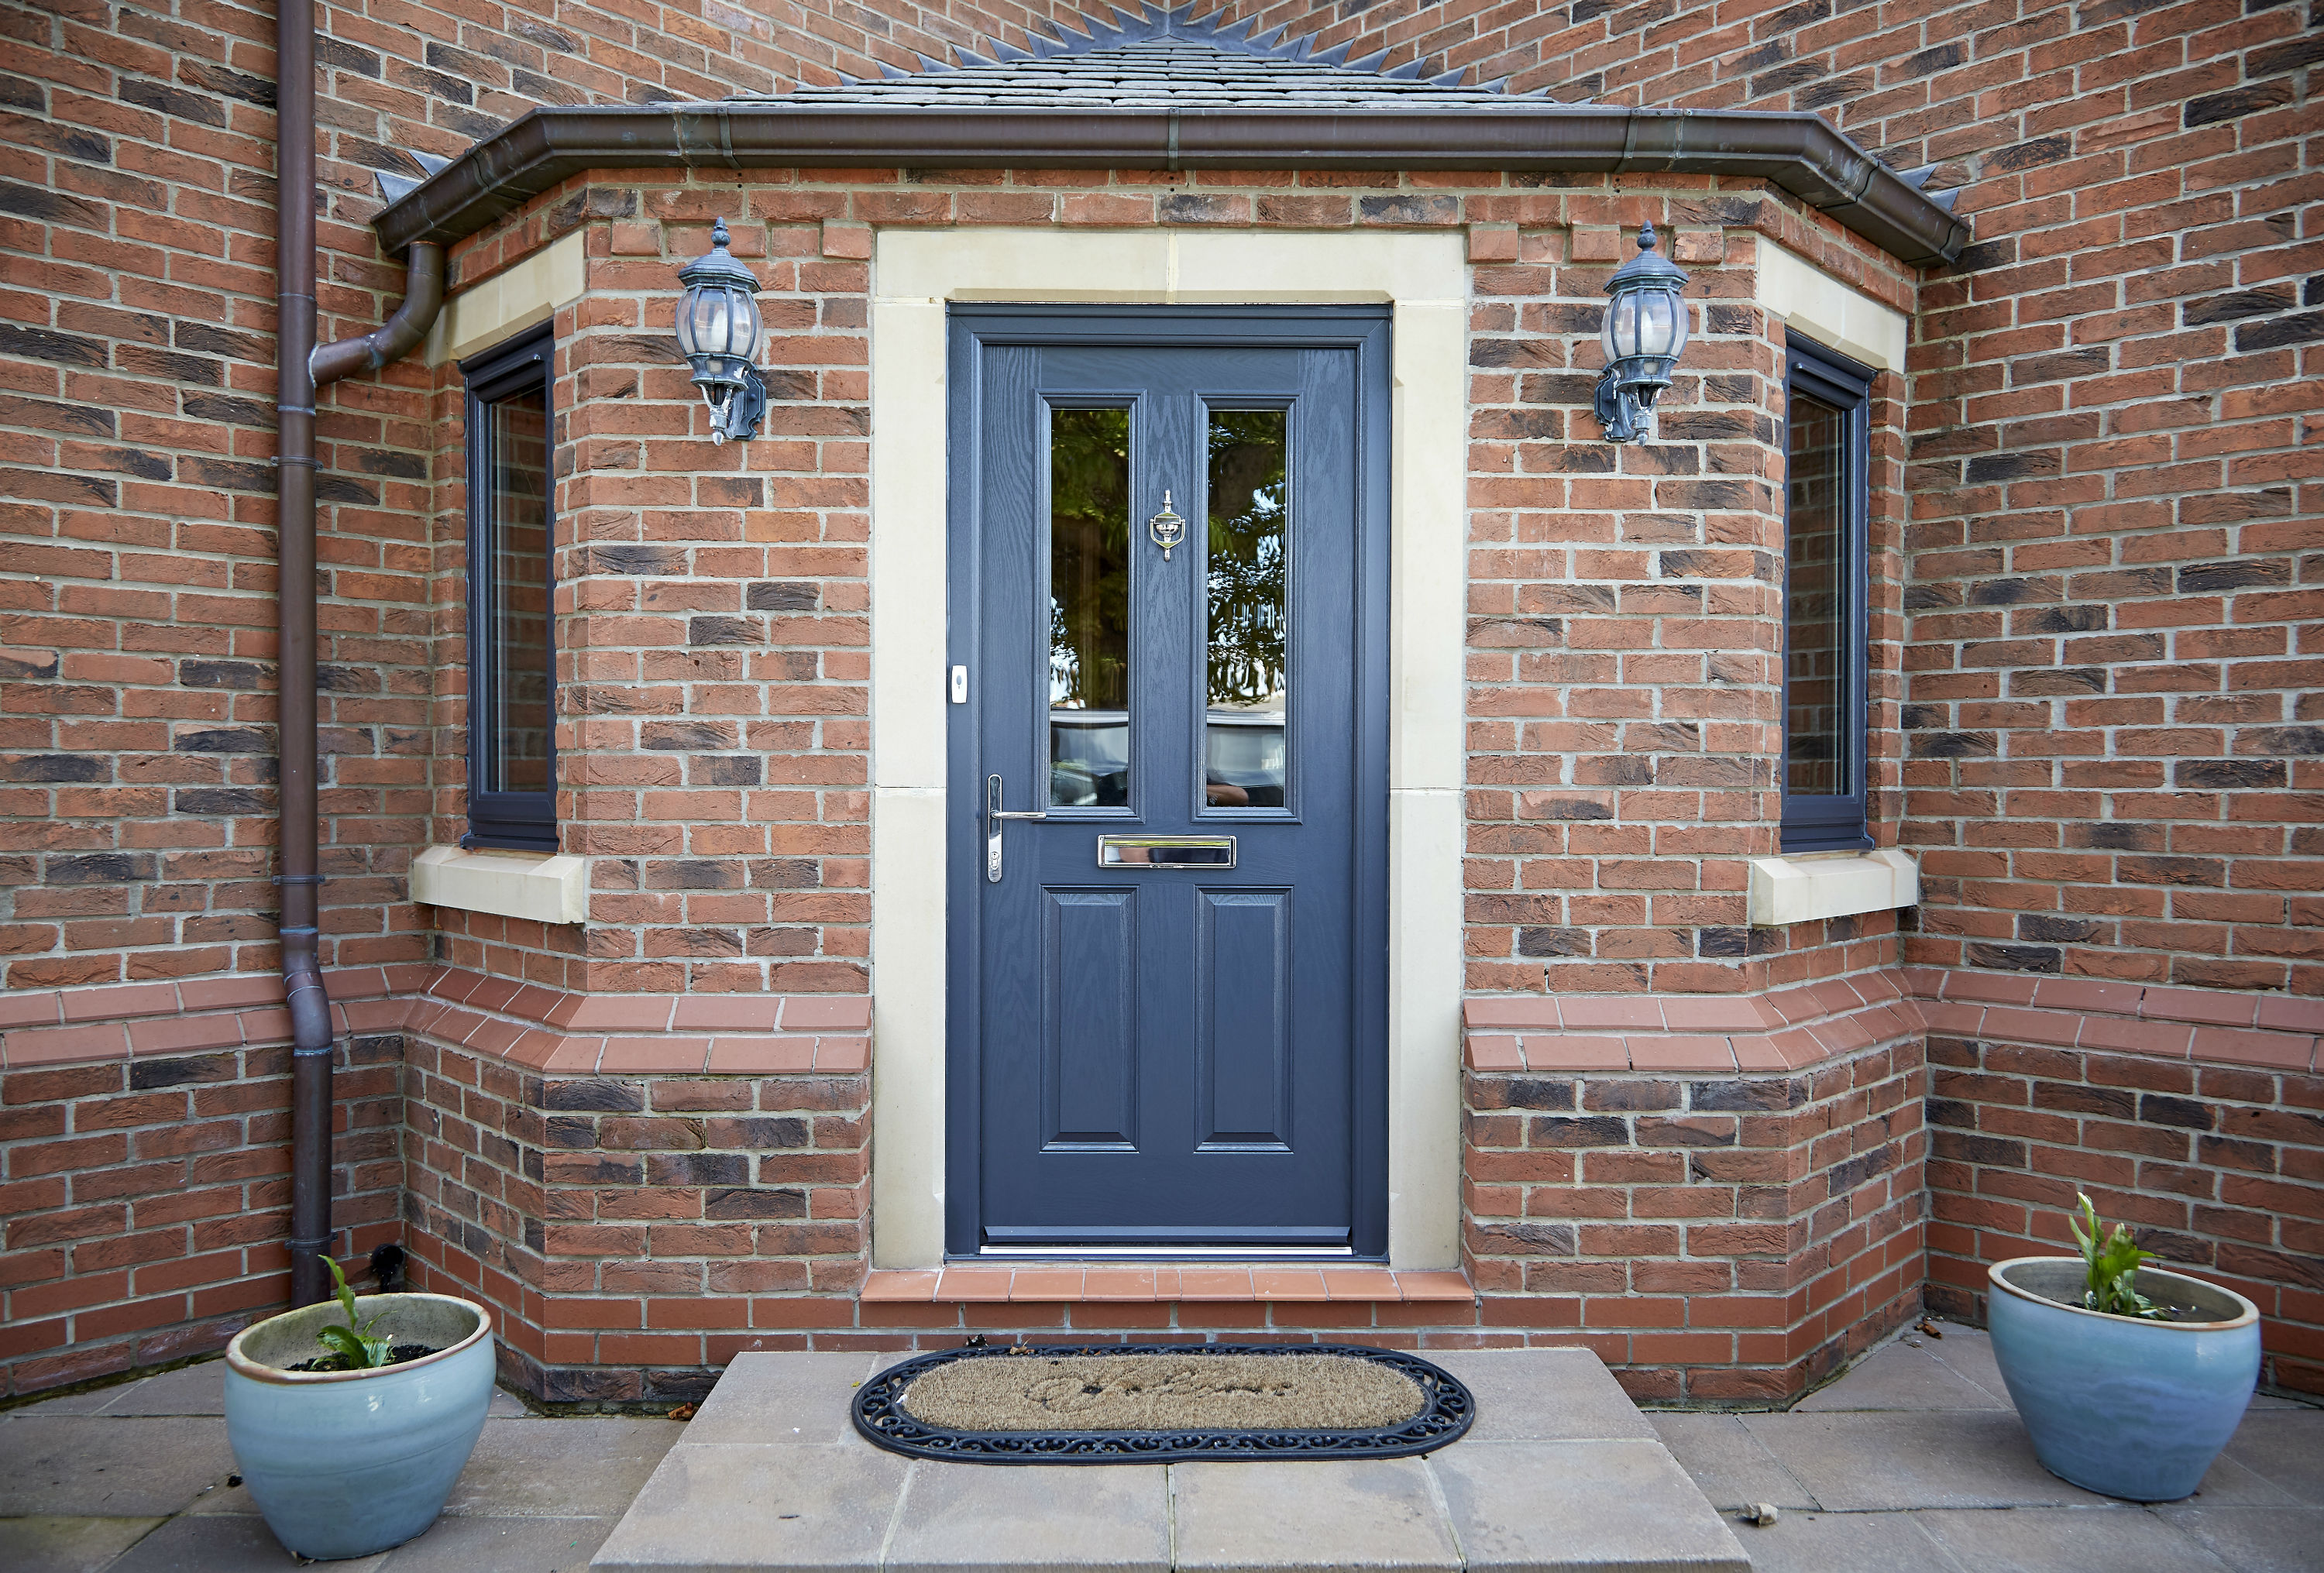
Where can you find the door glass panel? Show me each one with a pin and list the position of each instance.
(1243, 765)
(519, 585)
(1815, 603)
(1089, 608)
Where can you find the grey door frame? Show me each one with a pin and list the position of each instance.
(1364, 329)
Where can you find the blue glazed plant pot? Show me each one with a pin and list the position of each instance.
(345, 1463)
(2115, 1405)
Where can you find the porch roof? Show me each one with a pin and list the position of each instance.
(1797, 153)
(1167, 58)
(1161, 91)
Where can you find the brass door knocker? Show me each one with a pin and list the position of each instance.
(1165, 529)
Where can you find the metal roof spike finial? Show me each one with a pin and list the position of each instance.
(719, 237)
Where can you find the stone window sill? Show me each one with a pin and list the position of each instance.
(545, 886)
(1808, 886)
(1055, 1282)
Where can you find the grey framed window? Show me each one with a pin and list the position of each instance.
(1827, 444)
(512, 626)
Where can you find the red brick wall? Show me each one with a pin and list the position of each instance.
(633, 1233)
(2112, 702)
(2195, 1116)
(1717, 1237)
(145, 1201)
(713, 658)
(136, 406)
(1625, 629)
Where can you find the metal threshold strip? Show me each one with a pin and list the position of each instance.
(1174, 1255)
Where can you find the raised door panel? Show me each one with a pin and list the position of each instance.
(1089, 1049)
(1243, 1042)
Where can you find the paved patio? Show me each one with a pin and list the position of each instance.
(1913, 1463)
(133, 1480)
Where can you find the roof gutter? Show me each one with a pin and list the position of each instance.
(1796, 152)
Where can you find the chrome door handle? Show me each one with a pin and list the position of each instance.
(993, 816)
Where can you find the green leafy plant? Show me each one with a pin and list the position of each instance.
(354, 1346)
(2113, 1262)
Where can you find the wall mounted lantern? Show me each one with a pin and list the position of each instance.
(1643, 332)
(718, 330)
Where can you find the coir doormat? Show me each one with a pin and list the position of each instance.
(1147, 1403)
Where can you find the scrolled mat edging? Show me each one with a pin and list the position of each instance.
(1447, 1410)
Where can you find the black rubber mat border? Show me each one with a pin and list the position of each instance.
(1448, 1411)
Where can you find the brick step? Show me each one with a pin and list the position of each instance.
(1050, 1282)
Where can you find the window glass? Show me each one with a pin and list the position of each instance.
(1827, 459)
(1247, 656)
(516, 528)
(512, 627)
(1089, 608)
(1816, 592)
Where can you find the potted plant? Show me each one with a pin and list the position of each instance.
(2129, 1378)
(351, 1420)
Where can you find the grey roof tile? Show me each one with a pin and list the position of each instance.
(1156, 60)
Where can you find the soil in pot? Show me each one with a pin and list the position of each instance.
(396, 1356)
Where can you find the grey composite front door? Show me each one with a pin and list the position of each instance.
(1167, 999)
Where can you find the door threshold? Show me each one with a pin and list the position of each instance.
(1055, 1282)
(1173, 1255)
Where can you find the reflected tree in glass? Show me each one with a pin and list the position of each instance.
(1247, 654)
(1089, 608)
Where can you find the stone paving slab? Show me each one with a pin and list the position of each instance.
(2069, 1539)
(2286, 1448)
(48, 1543)
(2255, 1539)
(500, 1545)
(218, 1545)
(960, 1518)
(1511, 1405)
(1615, 1502)
(759, 1505)
(1307, 1518)
(582, 1467)
(1562, 1472)
(799, 1399)
(1854, 1462)
(1847, 1542)
(1899, 1376)
(189, 1390)
(86, 1463)
(1732, 1467)
(1966, 1351)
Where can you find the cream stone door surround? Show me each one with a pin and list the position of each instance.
(1424, 279)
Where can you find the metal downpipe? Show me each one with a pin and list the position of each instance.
(294, 402)
(300, 369)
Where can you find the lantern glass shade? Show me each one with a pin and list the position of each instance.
(1641, 323)
(717, 331)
